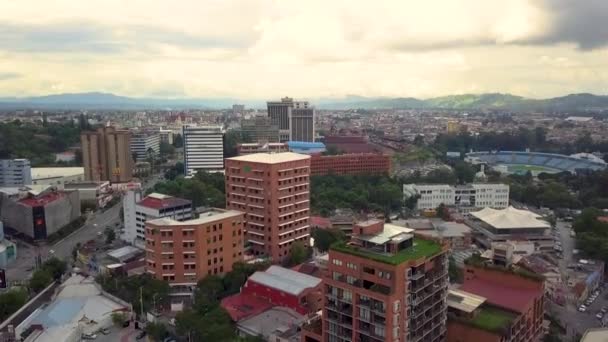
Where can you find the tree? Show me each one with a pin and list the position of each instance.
(464, 172)
(207, 293)
(166, 149)
(297, 254)
(11, 301)
(419, 140)
(178, 141)
(454, 272)
(157, 331)
(443, 212)
(324, 238)
(110, 235)
(40, 280)
(119, 318)
(231, 139)
(55, 267)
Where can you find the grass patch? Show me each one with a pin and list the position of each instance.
(492, 319)
(421, 248)
(421, 154)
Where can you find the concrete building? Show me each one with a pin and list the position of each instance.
(492, 225)
(465, 197)
(8, 249)
(38, 214)
(203, 149)
(106, 155)
(138, 210)
(57, 176)
(15, 172)
(184, 252)
(166, 135)
(458, 236)
(295, 119)
(144, 144)
(350, 164)
(92, 194)
(385, 285)
(260, 129)
(595, 335)
(273, 190)
(511, 308)
(249, 148)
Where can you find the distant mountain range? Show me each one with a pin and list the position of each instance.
(95, 100)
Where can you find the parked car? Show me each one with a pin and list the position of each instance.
(88, 336)
(582, 308)
(141, 335)
(599, 315)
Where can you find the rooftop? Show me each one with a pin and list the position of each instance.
(125, 253)
(205, 217)
(53, 172)
(595, 335)
(421, 248)
(36, 201)
(272, 321)
(160, 201)
(285, 280)
(271, 158)
(492, 319)
(510, 218)
(241, 306)
(390, 232)
(464, 301)
(501, 294)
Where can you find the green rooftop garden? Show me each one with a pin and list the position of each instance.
(421, 248)
(492, 319)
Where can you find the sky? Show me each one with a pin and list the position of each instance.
(263, 49)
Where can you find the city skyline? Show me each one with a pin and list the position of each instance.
(247, 49)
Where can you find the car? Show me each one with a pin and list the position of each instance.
(141, 335)
(88, 336)
(599, 315)
(604, 310)
(582, 308)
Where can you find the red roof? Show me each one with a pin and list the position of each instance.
(168, 202)
(241, 306)
(603, 219)
(321, 222)
(40, 201)
(502, 295)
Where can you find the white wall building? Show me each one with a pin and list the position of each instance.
(15, 172)
(57, 176)
(203, 149)
(470, 196)
(138, 210)
(143, 141)
(166, 135)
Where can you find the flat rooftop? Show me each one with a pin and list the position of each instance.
(421, 248)
(286, 280)
(54, 172)
(595, 335)
(271, 158)
(494, 319)
(205, 217)
(464, 301)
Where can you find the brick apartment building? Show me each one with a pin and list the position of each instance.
(183, 252)
(510, 309)
(273, 191)
(385, 285)
(350, 164)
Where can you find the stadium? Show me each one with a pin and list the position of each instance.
(515, 162)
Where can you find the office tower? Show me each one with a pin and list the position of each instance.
(273, 191)
(259, 129)
(238, 109)
(145, 144)
(137, 211)
(302, 122)
(166, 135)
(385, 285)
(106, 155)
(183, 252)
(15, 172)
(203, 148)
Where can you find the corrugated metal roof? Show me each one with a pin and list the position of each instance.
(285, 280)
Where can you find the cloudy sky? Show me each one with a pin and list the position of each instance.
(315, 48)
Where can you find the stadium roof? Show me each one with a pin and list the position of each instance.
(271, 158)
(510, 218)
(286, 280)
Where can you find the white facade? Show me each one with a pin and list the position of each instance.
(57, 176)
(129, 203)
(166, 135)
(142, 142)
(15, 172)
(203, 149)
(477, 195)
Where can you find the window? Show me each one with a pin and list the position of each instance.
(337, 262)
(351, 265)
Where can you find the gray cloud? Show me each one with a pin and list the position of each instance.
(9, 75)
(96, 38)
(583, 22)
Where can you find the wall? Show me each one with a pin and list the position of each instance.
(17, 216)
(61, 212)
(274, 296)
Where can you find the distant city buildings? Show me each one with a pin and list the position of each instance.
(138, 210)
(260, 129)
(106, 155)
(273, 190)
(249, 148)
(203, 149)
(145, 144)
(466, 197)
(296, 120)
(15, 172)
(184, 252)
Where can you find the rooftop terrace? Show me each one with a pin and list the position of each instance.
(421, 248)
(492, 319)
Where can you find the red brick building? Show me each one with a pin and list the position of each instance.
(513, 309)
(273, 190)
(350, 164)
(386, 285)
(183, 252)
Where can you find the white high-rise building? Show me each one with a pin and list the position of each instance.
(15, 172)
(142, 142)
(470, 196)
(203, 149)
